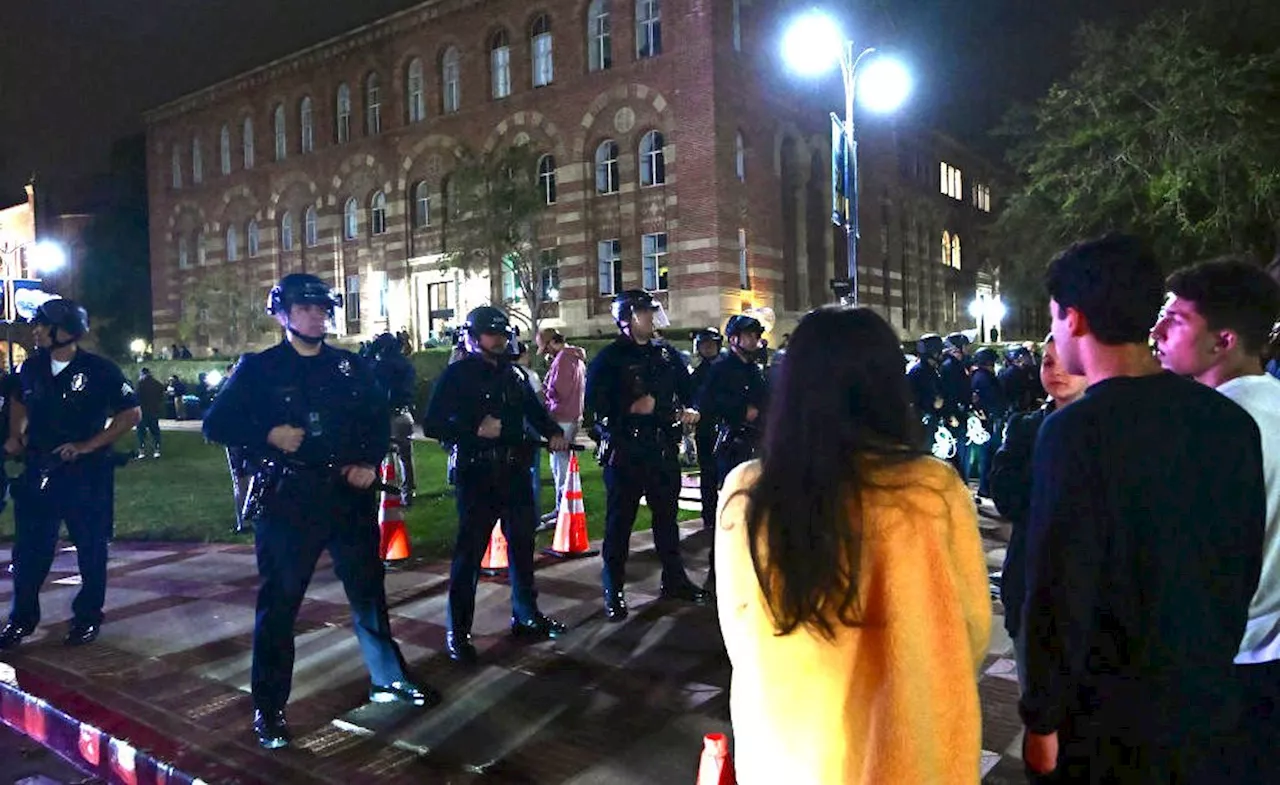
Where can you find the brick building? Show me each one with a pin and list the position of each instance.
(678, 156)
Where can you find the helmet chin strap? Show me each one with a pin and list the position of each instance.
(307, 339)
(54, 343)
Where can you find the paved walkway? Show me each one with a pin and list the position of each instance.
(162, 696)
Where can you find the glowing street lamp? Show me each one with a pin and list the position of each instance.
(988, 312)
(812, 45)
(47, 257)
(138, 347)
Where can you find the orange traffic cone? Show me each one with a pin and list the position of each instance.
(495, 556)
(571, 525)
(716, 767)
(395, 538)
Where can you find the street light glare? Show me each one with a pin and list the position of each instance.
(884, 84)
(812, 44)
(47, 257)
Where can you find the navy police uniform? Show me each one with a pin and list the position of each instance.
(397, 377)
(704, 434)
(69, 407)
(734, 384)
(491, 476)
(640, 451)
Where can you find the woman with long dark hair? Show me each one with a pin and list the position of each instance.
(852, 586)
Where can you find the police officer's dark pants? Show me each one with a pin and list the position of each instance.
(80, 493)
(485, 492)
(307, 516)
(708, 474)
(651, 471)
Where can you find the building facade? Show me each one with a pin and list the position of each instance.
(675, 154)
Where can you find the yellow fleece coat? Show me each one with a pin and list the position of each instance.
(894, 702)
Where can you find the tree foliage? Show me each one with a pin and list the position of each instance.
(1170, 131)
(223, 309)
(116, 277)
(498, 214)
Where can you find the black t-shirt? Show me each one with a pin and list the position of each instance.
(1144, 550)
(74, 405)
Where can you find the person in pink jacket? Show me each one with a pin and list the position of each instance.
(562, 391)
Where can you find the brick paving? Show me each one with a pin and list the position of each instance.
(623, 703)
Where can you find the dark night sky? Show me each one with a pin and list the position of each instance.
(77, 74)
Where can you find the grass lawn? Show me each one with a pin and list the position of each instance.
(186, 496)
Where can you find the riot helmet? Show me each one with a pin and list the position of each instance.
(384, 345)
(625, 305)
(957, 342)
(930, 346)
(489, 320)
(301, 289)
(62, 314)
(985, 357)
(741, 323)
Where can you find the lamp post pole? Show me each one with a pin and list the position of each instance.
(849, 71)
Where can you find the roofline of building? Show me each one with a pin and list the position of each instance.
(414, 16)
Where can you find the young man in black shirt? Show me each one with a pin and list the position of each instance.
(1145, 542)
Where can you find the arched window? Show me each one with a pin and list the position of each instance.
(311, 228)
(282, 137)
(286, 232)
(547, 178)
(351, 219)
(653, 161)
(450, 80)
(378, 213)
(175, 166)
(946, 247)
(648, 29)
(500, 64)
(540, 46)
(740, 157)
(252, 239)
(224, 149)
(233, 244)
(343, 114)
(247, 142)
(197, 162)
(421, 205)
(372, 105)
(599, 36)
(607, 167)
(308, 128)
(955, 251)
(184, 254)
(414, 88)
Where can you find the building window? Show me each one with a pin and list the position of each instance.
(547, 178)
(311, 228)
(599, 39)
(344, 114)
(184, 253)
(372, 105)
(233, 244)
(737, 25)
(982, 197)
(511, 289)
(197, 162)
(653, 160)
(951, 249)
(609, 254)
(550, 268)
(416, 100)
(350, 220)
(286, 232)
(540, 38)
(378, 213)
(952, 182)
(381, 286)
(308, 127)
(654, 250)
(282, 138)
(955, 251)
(252, 238)
(224, 149)
(421, 205)
(744, 273)
(202, 251)
(740, 157)
(500, 64)
(450, 77)
(648, 29)
(352, 299)
(248, 143)
(607, 167)
(175, 166)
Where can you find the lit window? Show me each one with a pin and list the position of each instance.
(343, 114)
(982, 197)
(740, 157)
(311, 228)
(308, 128)
(373, 105)
(282, 138)
(351, 300)
(224, 149)
(233, 244)
(417, 100)
(952, 183)
(184, 254)
(350, 219)
(549, 265)
(654, 250)
(286, 232)
(512, 290)
(955, 251)
(197, 162)
(737, 25)
(450, 76)
(648, 29)
(744, 273)
(252, 238)
(609, 254)
(543, 65)
(421, 205)
(951, 249)
(607, 167)
(175, 165)
(248, 143)
(547, 178)
(653, 159)
(500, 64)
(599, 39)
(378, 213)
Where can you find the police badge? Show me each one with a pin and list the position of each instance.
(344, 366)
(78, 382)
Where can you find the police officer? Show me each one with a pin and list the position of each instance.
(734, 395)
(64, 397)
(991, 407)
(956, 394)
(641, 394)
(707, 343)
(479, 407)
(1014, 380)
(314, 428)
(396, 376)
